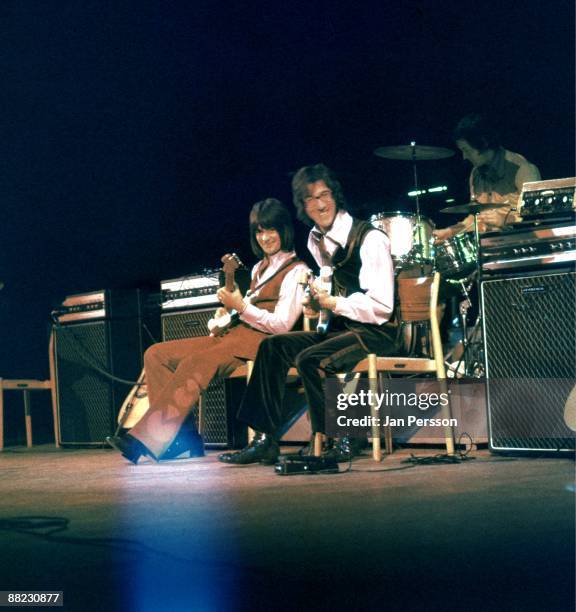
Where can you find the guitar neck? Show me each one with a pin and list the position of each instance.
(229, 281)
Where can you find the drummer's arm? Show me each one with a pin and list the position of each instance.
(465, 225)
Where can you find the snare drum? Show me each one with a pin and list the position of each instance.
(456, 256)
(402, 229)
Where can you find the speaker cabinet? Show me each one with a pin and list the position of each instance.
(90, 355)
(530, 347)
(87, 399)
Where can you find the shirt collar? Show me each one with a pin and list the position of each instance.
(278, 259)
(495, 169)
(339, 231)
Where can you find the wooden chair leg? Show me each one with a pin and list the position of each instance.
(373, 376)
(439, 361)
(318, 440)
(249, 369)
(28, 418)
(446, 413)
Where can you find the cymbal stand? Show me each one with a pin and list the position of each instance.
(476, 364)
(418, 247)
(477, 325)
(469, 339)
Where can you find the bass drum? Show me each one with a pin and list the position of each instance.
(406, 236)
(456, 256)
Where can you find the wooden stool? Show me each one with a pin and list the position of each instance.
(25, 386)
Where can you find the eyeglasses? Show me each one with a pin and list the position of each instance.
(325, 196)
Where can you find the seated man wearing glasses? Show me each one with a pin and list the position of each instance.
(361, 304)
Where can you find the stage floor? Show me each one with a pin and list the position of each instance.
(493, 533)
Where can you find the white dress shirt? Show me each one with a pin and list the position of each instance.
(289, 306)
(376, 303)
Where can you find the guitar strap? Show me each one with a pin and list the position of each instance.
(280, 269)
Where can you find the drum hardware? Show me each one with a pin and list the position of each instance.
(415, 153)
(410, 242)
(471, 361)
(456, 256)
(473, 353)
(473, 208)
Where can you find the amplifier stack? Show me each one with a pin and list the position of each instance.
(99, 340)
(528, 293)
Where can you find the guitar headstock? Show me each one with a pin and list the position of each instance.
(231, 263)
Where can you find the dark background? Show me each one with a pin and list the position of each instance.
(136, 135)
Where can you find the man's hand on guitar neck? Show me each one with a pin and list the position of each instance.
(319, 300)
(232, 300)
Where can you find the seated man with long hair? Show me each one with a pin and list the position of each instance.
(177, 372)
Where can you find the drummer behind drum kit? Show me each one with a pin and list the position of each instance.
(412, 247)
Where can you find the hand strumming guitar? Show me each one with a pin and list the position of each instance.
(232, 300)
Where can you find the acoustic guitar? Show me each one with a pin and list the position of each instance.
(135, 405)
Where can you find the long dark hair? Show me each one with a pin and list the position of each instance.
(271, 214)
(311, 174)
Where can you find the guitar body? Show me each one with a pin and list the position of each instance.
(219, 326)
(135, 405)
(324, 282)
(311, 286)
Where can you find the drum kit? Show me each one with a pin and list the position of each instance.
(411, 233)
(413, 248)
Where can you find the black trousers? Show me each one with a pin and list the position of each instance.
(313, 355)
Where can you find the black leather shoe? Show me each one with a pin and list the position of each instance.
(130, 447)
(345, 449)
(263, 449)
(187, 440)
(308, 450)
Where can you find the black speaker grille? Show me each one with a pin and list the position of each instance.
(190, 324)
(530, 344)
(85, 397)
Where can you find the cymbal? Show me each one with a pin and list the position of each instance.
(416, 152)
(472, 208)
